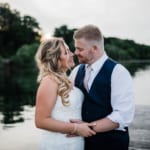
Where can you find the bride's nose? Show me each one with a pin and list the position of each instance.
(71, 53)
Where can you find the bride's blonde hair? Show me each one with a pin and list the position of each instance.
(47, 59)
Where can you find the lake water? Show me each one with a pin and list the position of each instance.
(142, 86)
(25, 136)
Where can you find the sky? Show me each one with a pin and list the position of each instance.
(125, 19)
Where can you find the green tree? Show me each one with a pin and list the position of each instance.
(16, 30)
(126, 49)
(25, 56)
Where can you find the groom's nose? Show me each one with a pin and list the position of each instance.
(76, 52)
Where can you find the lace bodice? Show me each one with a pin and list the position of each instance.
(73, 111)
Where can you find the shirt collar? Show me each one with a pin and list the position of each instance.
(98, 64)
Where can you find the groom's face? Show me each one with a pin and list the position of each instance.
(83, 50)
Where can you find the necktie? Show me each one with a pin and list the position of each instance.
(87, 77)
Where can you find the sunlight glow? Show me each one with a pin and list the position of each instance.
(45, 37)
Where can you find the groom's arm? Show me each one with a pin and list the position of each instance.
(122, 102)
(104, 125)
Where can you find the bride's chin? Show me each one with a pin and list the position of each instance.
(71, 65)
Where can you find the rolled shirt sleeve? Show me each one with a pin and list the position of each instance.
(122, 97)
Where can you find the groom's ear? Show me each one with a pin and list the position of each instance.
(95, 48)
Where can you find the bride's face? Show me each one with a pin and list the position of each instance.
(66, 58)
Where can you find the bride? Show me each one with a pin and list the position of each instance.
(57, 100)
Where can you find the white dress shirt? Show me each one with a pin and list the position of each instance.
(122, 95)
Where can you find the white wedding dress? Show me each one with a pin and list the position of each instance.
(59, 141)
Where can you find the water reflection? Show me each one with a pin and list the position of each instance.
(19, 89)
(134, 66)
(20, 136)
(12, 108)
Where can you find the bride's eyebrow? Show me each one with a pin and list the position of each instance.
(67, 50)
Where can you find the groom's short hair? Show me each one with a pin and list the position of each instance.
(90, 33)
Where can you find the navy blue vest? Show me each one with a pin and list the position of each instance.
(97, 102)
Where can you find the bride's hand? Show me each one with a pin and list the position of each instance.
(74, 121)
(82, 128)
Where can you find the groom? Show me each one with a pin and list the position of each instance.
(108, 90)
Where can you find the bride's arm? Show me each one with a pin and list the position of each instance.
(45, 100)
